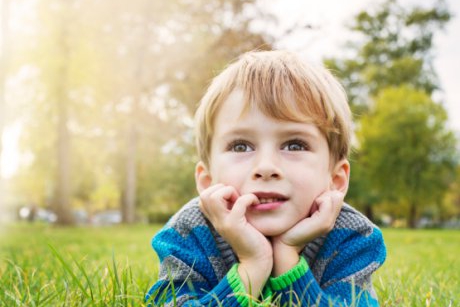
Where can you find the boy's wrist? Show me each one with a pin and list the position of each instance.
(285, 257)
(254, 273)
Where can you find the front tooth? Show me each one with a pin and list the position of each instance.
(267, 200)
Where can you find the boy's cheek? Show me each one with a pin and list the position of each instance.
(231, 178)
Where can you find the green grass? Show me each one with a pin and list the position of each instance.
(422, 268)
(41, 265)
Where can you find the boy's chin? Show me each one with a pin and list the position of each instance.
(271, 230)
(272, 226)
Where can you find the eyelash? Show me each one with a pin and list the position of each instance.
(304, 145)
(233, 144)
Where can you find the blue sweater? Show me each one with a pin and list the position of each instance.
(198, 268)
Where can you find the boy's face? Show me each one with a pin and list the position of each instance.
(285, 164)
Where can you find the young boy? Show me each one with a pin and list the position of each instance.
(270, 225)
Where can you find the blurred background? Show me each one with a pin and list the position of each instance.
(97, 100)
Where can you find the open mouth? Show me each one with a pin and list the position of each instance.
(265, 200)
(269, 201)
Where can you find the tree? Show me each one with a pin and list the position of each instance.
(168, 82)
(393, 46)
(56, 115)
(121, 81)
(450, 207)
(361, 193)
(407, 150)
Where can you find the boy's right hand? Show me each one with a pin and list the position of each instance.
(287, 246)
(226, 210)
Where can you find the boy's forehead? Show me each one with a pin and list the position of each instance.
(284, 108)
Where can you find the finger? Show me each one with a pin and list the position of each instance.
(230, 194)
(211, 190)
(330, 200)
(216, 205)
(242, 203)
(337, 198)
(333, 205)
(226, 194)
(326, 215)
(205, 198)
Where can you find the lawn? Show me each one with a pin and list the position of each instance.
(41, 265)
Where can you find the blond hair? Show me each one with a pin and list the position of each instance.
(283, 87)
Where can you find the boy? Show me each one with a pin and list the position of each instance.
(269, 226)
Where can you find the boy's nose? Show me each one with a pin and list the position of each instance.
(266, 168)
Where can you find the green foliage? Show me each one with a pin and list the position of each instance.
(450, 206)
(167, 184)
(404, 155)
(406, 149)
(393, 46)
(46, 266)
(129, 75)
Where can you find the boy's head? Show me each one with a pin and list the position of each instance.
(283, 87)
(276, 128)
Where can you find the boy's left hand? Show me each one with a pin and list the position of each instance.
(321, 220)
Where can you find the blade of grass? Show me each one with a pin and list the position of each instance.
(115, 277)
(69, 270)
(82, 270)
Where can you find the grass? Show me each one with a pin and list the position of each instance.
(41, 265)
(422, 268)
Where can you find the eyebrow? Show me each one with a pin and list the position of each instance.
(287, 131)
(301, 133)
(237, 131)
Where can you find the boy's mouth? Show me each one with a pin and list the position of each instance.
(269, 201)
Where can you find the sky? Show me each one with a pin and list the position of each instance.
(330, 18)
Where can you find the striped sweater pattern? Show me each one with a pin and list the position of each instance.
(198, 268)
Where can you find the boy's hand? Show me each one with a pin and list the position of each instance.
(226, 210)
(321, 220)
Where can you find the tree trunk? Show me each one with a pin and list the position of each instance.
(128, 204)
(130, 184)
(412, 218)
(64, 216)
(62, 193)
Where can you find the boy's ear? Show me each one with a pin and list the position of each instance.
(341, 176)
(203, 177)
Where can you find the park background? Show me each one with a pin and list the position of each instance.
(97, 151)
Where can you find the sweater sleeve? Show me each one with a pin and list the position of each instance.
(192, 272)
(348, 259)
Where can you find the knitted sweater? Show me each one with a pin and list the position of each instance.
(198, 268)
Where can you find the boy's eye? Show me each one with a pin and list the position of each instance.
(295, 145)
(239, 146)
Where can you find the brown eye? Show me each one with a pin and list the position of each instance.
(239, 146)
(295, 145)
